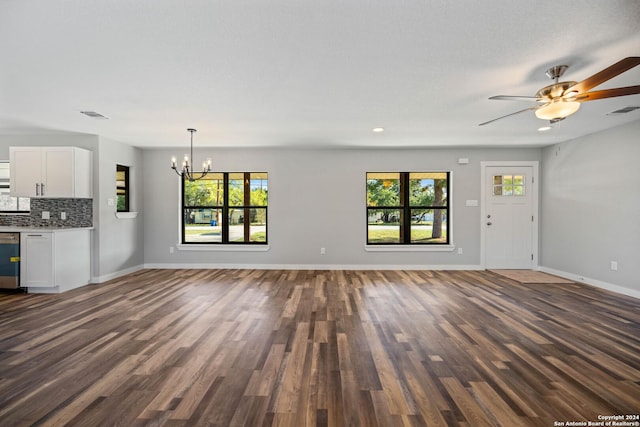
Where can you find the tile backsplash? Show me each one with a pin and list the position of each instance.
(79, 213)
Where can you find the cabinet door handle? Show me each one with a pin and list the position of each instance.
(34, 235)
(37, 189)
(42, 189)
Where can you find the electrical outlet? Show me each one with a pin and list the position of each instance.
(614, 265)
(171, 249)
(322, 251)
(459, 251)
(45, 214)
(63, 215)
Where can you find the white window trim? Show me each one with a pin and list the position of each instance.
(222, 247)
(409, 248)
(126, 215)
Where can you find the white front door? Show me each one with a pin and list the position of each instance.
(508, 217)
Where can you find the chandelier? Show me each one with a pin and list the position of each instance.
(187, 168)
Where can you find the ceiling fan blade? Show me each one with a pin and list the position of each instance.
(512, 114)
(517, 98)
(606, 74)
(608, 93)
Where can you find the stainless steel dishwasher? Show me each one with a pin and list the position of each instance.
(9, 260)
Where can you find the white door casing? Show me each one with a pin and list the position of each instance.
(509, 223)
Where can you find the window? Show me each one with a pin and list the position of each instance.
(408, 208)
(7, 203)
(508, 185)
(122, 188)
(225, 207)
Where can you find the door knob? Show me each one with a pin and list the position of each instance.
(489, 223)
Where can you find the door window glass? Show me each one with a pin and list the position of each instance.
(508, 185)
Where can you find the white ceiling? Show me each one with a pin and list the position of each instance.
(315, 73)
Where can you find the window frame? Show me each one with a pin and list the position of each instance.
(7, 185)
(405, 208)
(225, 207)
(126, 188)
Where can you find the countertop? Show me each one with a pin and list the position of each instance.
(18, 229)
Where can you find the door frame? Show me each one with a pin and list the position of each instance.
(535, 208)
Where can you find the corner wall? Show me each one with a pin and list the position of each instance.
(590, 202)
(120, 242)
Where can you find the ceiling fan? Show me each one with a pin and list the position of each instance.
(561, 99)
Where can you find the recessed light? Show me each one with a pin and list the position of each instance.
(544, 128)
(93, 115)
(378, 130)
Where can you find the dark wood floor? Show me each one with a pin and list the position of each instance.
(295, 348)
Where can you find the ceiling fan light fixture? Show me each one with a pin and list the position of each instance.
(562, 99)
(557, 110)
(567, 96)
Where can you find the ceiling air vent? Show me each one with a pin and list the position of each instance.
(624, 110)
(93, 115)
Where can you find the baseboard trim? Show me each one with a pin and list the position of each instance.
(116, 274)
(593, 282)
(310, 266)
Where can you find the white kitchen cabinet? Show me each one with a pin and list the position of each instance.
(55, 261)
(36, 259)
(54, 172)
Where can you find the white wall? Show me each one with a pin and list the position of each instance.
(591, 208)
(317, 199)
(120, 242)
